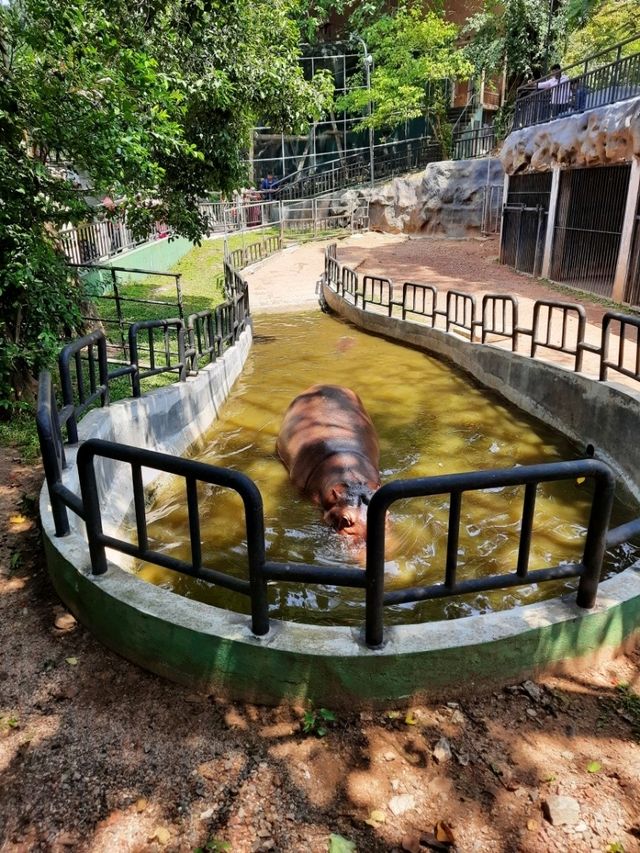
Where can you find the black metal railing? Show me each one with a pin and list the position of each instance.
(48, 424)
(152, 347)
(457, 485)
(499, 315)
(110, 306)
(393, 158)
(473, 142)
(616, 78)
(557, 326)
(260, 571)
(172, 353)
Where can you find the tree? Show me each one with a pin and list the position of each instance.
(519, 36)
(312, 15)
(605, 24)
(154, 101)
(411, 49)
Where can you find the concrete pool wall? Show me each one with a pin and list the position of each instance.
(214, 650)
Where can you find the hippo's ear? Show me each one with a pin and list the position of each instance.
(337, 493)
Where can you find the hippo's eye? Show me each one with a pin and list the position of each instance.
(344, 523)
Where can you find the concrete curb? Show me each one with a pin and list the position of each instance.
(212, 649)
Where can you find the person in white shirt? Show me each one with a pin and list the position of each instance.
(560, 91)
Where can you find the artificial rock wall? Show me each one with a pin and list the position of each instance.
(599, 137)
(447, 199)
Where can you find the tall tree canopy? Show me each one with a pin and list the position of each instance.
(599, 25)
(153, 100)
(522, 36)
(411, 49)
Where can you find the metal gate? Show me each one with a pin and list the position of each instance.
(588, 227)
(523, 230)
(524, 222)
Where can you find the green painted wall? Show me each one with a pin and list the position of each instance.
(158, 256)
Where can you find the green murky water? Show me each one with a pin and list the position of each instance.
(431, 419)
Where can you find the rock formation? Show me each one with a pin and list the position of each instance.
(599, 137)
(447, 199)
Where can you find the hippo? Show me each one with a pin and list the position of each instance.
(330, 448)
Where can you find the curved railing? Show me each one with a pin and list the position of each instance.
(90, 504)
(557, 326)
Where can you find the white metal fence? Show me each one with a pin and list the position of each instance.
(97, 241)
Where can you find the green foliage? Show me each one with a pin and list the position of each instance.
(38, 296)
(411, 49)
(214, 845)
(312, 15)
(609, 22)
(630, 706)
(516, 32)
(316, 721)
(154, 102)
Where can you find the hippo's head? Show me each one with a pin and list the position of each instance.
(346, 510)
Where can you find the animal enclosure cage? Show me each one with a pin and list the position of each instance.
(588, 227)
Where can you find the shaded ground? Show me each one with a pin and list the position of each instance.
(97, 755)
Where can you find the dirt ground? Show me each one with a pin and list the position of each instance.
(97, 755)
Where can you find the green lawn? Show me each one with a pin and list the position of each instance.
(201, 272)
(202, 276)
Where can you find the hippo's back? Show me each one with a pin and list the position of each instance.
(322, 421)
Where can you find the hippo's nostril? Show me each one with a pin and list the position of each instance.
(344, 523)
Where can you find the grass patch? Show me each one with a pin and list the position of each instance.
(20, 433)
(630, 707)
(201, 271)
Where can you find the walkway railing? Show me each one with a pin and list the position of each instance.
(375, 291)
(103, 239)
(473, 142)
(260, 571)
(354, 169)
(556, 326)
(604, 78)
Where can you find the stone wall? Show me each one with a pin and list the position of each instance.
(446, 199)
(599, 137)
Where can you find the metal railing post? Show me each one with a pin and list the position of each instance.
(91, 502)
(596, 541)
(179, 294)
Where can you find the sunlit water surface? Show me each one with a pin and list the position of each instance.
(431, 419)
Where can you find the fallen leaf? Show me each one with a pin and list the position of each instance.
(580, 480)
(141, 804)
(594, 767)
(161, 834)
(65, 622)
(72, 661)
(17, 519)
(532, 825)
(444, 832)
(411, 719)
(376, 818)
(393, 715)
(339, 844)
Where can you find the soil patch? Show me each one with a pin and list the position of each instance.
(97, 755)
